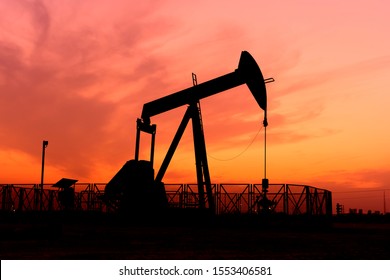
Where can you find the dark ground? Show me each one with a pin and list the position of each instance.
(97, 236)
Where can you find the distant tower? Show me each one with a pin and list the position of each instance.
(339, 209)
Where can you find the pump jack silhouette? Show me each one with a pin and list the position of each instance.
(134, 187)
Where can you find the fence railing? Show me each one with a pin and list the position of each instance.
(244, 198)
(290, 199)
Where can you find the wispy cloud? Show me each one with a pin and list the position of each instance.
(71, 86)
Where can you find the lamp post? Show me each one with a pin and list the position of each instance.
(44, 145)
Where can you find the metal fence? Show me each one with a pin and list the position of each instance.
(229, 198)
(244, 198)
(30, 197)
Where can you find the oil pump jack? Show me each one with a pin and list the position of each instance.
(134, 188)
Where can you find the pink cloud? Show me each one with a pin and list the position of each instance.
(61, 90)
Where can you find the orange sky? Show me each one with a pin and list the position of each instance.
(76, 73)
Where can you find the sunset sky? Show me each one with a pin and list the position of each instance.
(77, 73)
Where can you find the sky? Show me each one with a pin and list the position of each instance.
(77, 73)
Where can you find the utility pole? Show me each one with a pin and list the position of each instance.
(44, 145)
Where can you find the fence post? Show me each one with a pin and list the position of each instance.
(308, 201)
(185, 193)
(50, 202)
(3, 199)
(285, 199)
(21, 199)
(36, 196)
(250, 199)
